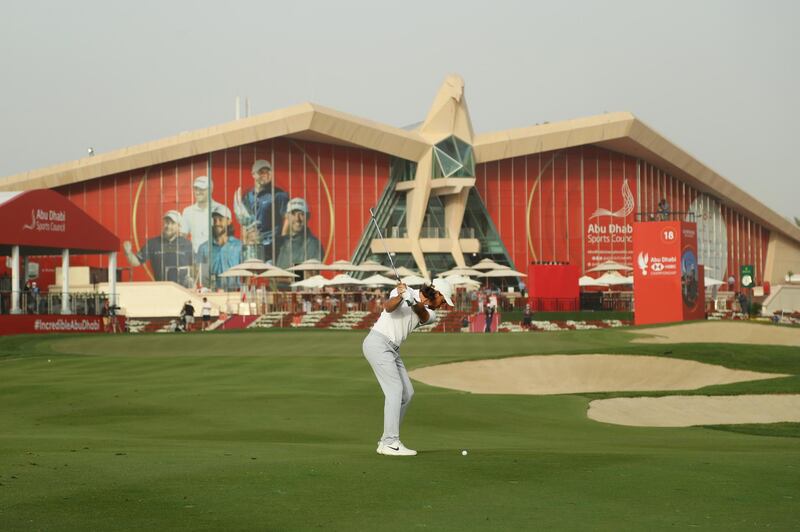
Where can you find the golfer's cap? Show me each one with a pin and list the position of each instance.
(297, 204)
(201, 182)
(175, 216)
(221, 210)
(443, 287)
(259, 164)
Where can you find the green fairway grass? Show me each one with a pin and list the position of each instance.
(276, 430)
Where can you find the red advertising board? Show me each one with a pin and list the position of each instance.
(553, 287)
(668, 283)
(52, 323)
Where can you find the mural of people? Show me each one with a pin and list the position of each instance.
(194, 220)
(297, 243)
(258, 211)
(170, 254)
(226, 250)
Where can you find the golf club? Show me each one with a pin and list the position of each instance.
(380, 235)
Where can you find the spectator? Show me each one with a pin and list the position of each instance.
(206, 313)
(188, 315)
(488, 315)
(527, 317)
(663, 209)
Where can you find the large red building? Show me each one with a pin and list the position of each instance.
(445, 196)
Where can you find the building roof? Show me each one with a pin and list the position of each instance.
(620, 132)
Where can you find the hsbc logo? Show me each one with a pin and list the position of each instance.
(657, 267)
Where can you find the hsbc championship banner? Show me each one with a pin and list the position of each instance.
(667, 286)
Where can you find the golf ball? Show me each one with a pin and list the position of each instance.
(464, 452)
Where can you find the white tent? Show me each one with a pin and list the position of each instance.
(609, 266)
(708, 281)
(590, 281)
(314, 282)
(378, 280)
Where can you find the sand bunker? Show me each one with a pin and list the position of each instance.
(562, 374)
(730, 332)
(686, 411)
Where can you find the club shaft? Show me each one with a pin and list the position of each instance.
(380, 235)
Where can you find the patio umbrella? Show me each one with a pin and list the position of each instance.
(461, 270)
(488, 264)
(253, 266)
(314, 282)
(343, 266)
(414, 280)
(372, 266)
(344, 280)
(614, 278)
(277, 273)
(505, 271)
(461, 280)
(237, 273)
(310, 265)
(609, 266)
(378, 280)
(590, 281)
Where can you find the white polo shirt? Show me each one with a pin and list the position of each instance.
(195, 222)
(398, 324)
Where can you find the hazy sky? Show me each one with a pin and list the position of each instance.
(718, 78)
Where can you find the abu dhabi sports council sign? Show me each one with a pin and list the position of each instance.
(47, 220)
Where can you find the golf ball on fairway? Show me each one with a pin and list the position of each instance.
(464, 452)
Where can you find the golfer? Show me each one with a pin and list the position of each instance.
(405, 310)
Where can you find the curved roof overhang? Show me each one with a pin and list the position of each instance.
(626, 134)
(621, 132)
(306, 121)
(43, 222)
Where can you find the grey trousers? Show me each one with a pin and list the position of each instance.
(384, 357)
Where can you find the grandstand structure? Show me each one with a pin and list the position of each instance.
(444, 195)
